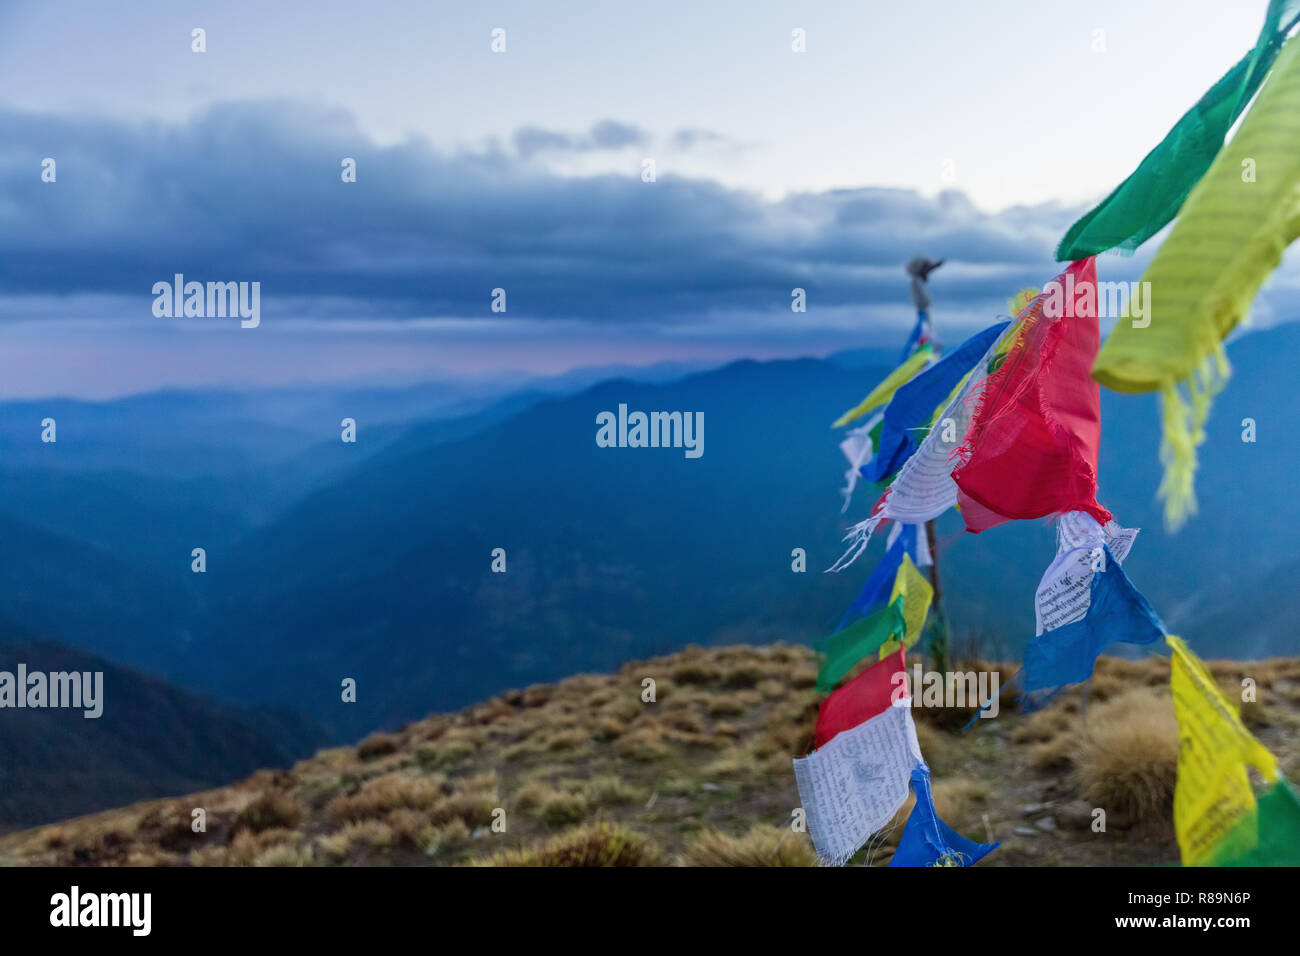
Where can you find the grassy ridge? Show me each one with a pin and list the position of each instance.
(587, 773)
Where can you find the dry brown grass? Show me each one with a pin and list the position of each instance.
(598, 844)
(378, 745)
(382, 794)
(726, 705)
(275, 809)
(961, 801)
(1042, 726)
(587, 771)
(563, 809)
(934, 744)
(611, 790)
(645, 744)
(761, 846)
(1127, 759)
(1055, 754)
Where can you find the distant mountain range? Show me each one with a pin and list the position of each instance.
(328, 561)
(150, 740)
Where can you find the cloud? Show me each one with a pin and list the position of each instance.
(251, 191)
(691, 138)
(604, 136)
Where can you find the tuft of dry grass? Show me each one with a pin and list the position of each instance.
(338, 846)
(382, 794)
(1042, 726)
(170, 826)
(611, 790)
(726, 705)
(274, 809)
(378, 745)
(743, 677)
(696, 674)
(562, 809)
(761, 846)
(1127, 759)
(570, 738)
(599, 844)
(645, 744)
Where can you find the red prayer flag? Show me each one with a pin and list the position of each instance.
(1031, 449)
(864, 697)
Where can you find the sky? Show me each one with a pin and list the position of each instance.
(976, 132)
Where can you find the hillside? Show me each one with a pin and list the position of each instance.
(151, 738)
(385, 576)
(82, 595)
(587, 773)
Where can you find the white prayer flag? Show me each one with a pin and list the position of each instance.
(923, 489)
(1065, 591)
(852, 787)
(858, 449)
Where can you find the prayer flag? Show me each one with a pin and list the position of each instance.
(1144, 203)
(1277, 831)
(882, 393)
(868, 694)
(876, 593)
(927, 840)
(1229, 236)
(923, 488)
(914, 405)
(921, 553)
(921, 331)
(1214, 807)
(858, 446)
(853, 786)
(1032, 444)
(1115, 611)
(884, 628)
(915, 592)
(863, 638)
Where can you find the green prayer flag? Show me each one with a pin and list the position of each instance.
(862, 639)
(1149, 199)
(1277, 821)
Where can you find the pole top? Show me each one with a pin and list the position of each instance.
(921, 266)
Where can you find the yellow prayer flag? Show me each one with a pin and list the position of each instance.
(1214, 806)
(916, 593)
(882, 393)
(1022, 300)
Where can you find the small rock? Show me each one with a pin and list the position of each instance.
(1075, 815)
(1031, 809)
(1046, 823)
(1025, 831)
(711, 787)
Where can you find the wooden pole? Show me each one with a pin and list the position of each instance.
(920, 270)
(939, 645)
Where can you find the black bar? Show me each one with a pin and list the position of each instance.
(451, 907)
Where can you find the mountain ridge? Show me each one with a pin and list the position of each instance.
(151, 739)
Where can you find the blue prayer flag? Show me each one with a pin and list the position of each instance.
(1067, 655)
(912, 406)
(927, 840)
